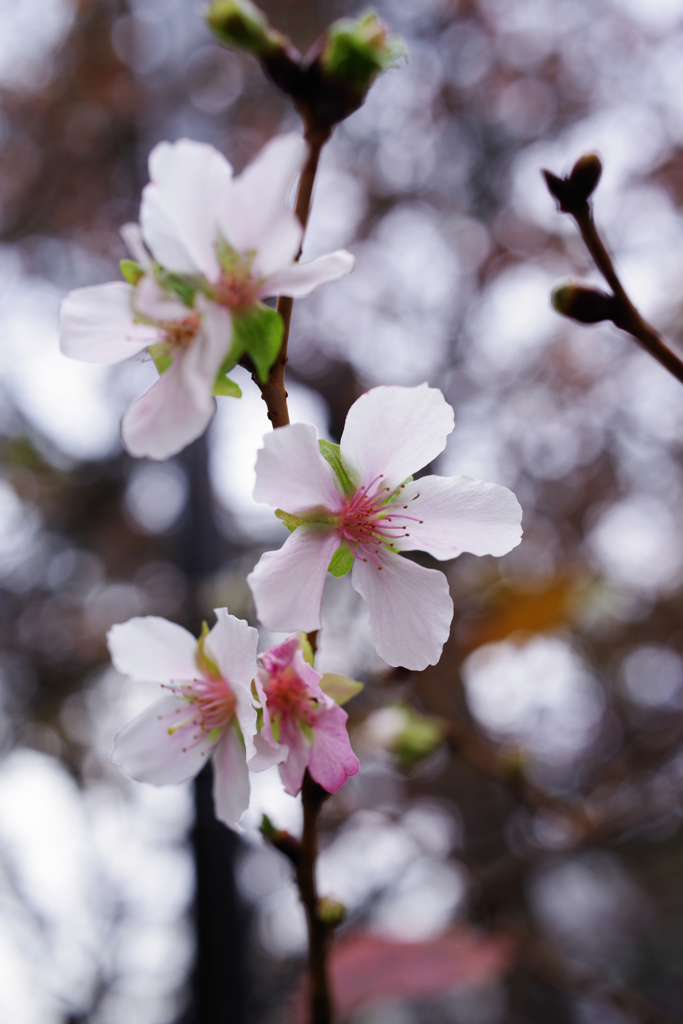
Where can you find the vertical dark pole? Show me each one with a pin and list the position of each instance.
(219, 981)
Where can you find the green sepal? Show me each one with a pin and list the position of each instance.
(307, 730)
(266, 828)
(290, 521)
(339, 688)
(306, 649)
(275, 727)
(161, 357)
(226, 387)
(332, 454)
(204, 663)
(184, 291)
(259, 333)
(342, 560)
(131, 271)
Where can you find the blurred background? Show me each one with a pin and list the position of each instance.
(518, 811)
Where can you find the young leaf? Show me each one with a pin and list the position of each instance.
(332, 454)
(228, 388)
(342, 560)
(290, 521)
(339, 688)
(182, 289)
(259, 333)
(131, 270)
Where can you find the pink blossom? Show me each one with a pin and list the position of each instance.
(209, 710)
(219, 246)
(360, 506)
(303, 727)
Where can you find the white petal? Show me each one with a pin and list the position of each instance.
(300, 279)
(394, 431)
(410, 610)
(149, 752)
(166, 418)
(257, 216)
(288, 584)
(459, 515)
(291, 474)
(189, 181)
(96, 324)
(203, 359)
(266, 754)
(232, 645)
(152, 301)
(230, 779)
(154, 650)
(132, 236)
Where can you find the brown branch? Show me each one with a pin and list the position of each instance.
(274, 393)
(313, 797)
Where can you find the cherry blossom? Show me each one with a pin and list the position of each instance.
(357, 508)
(303, 727)
(209, 710)
(219, 245)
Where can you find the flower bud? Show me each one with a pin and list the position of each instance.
(358, 49)
(242, 25)
(586, 305)
(586, 174)
(331, 911)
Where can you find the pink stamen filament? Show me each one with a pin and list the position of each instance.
(368, 523)
(210, 706)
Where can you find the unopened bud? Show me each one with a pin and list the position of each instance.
(587, 305)
(586, 174)
(331, 911)
(358, 49)
(242, 25)
(281, 840)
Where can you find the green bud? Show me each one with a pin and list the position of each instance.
(358, 49)
(586, 305)
(330, 911)
(242, 25)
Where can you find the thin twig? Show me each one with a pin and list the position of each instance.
(274, 392)
(313, 797)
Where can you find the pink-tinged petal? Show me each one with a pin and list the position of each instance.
(166, 418)
(410, 610)
(256, 216)
(230, 778)
(288, 584)
(301, 279)
(189, 182)
(96, 324)
(132, 236)
(394, 432)
(164, 744)
(266, 754)
(293, 768)
(152, 301)
(459, 514)
(232, 646)
(291, 474)
(202, 361)
(153, 650)
(332, 760)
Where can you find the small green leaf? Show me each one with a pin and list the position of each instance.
(182, 289)
(226, 387)
(342, 560)
(259, 333)
(203, 661)
(290, 521)
(339, 688)
(306, 649)
(332, 454)
(131, 270)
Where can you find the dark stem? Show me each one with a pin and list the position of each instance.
(313, 797)
(274, 392)
(630, 319)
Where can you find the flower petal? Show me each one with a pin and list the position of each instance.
(96, 324)
(154, 650)
(293, 768)
(131, 234)
(291, 474)
(164, 744)
(459, 514)
(256, 216)
(189, 182)
(288, 584)
(167, 417)
(410, 610)
(232, 645)
(393, 432)
(152, 301)
(332, 760)
(300, 279)
(230, 778)
(202, 361)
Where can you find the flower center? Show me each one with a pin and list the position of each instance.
(375, 518)
(288, 696)
(181, 333)
(211, 703)
(236, 290)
